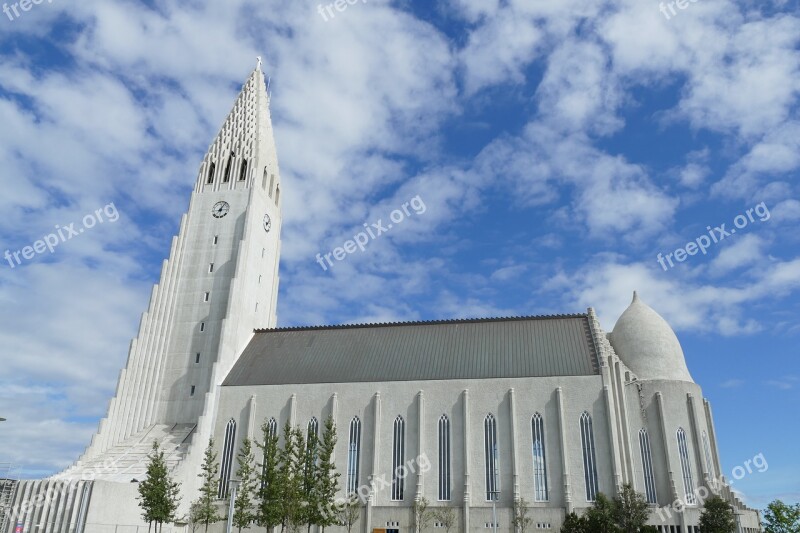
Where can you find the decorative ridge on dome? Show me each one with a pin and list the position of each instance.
(423, 323)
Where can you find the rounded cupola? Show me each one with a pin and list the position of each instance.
(647, 345)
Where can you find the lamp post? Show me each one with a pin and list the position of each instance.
(234, 486)
(495, 494)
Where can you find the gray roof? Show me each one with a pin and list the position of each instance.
(414, 351)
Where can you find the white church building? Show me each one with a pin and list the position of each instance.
(551, 409)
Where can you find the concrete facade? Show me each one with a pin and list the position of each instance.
(220, 284)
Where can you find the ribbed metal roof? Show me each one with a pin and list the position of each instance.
(413, 351)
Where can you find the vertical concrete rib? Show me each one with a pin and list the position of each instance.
(467, 495)
(512, 413)
(712, 433)
(420, 443)
(563, 443)
(626, 430)
(665, 444)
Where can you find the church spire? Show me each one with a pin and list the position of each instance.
(244, 145)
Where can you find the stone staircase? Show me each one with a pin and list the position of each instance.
(128, 460)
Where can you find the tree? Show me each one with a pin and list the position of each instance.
(631, 510)
(717, 516)
(192, 519)
(574, 524)
(521, 519)
(243, 511)
(206, 503)
(327, 477)
(290, 479)
(601, 516)
(782, 518)
(422, 514)
(310, 491)
(348, 513)
(446, 517)
(159, 495)
(268, 514)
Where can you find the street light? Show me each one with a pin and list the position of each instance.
(234, 484)
(495, 494)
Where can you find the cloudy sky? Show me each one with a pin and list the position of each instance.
(558, 147)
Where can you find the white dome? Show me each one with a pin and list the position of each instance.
(646, 343)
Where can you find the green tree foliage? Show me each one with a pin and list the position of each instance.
(209, 474)
(243, 507)
(602, 516)
(290, 479)
(782, 518)
(445, 516)
(159, 495)
(574, 524)
(521, 519)
(310, 500)
(268, 514)
(631, 510)
(327, 477)
(348, 513)
(193, 518)
(422, 514)
(717, 516)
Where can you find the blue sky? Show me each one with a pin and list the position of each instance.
(558, 147)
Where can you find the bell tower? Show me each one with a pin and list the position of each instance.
(219, 284)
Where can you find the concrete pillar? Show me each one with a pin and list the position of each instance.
(613, 440)
(420, 441)
(376, 446)
(562, 433)
(512, 412)
(467, 496)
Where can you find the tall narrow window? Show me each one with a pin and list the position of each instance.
(353, 455)
(271, 184)
(210, 268)
(647, 466)
(264, 180)
(313, 427)
(202, 326)
(539, 459)
(589, 459)
(243, 171)
(444, 458)
(686, 467)
(216, 239)
(398, 458)
(709, 459)
(227, 459)
(191, 391)
(277, 194)
(227, 177)
(490, 454)
(206, 296)
(272, 432)
(211, 169)
(197, 357)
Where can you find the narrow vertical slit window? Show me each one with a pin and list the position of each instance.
(202, 326)
(216, 239)
(272, 432)
(271, 184)
(398, 459)
(206, 296)
(647, 467)
(444, 458)
(264, 180)
(227, 459)
(539, 459)
(686, 467)
(277, 194)
(191, 391)
(210, 268)
(211, 169)
(243, 171)
(227, 177)
(353, 455)
(709, 458)
(589, 459)
(491, 457)
(197, 358)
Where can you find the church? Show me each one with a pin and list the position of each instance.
(470, 414)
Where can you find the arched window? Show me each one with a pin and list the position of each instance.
(444, 458)
(686, 467)
(589, 459)
(211, 168)
(227, 177)
(353, 455)
(243, 171)
(539, 459)
(313, 428)
(709, 460)
(647, 466)
(491, 456)
(272, 432)
(227, 459)
(398, 458)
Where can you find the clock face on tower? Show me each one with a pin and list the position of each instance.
(267, 223)
(220, 209)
